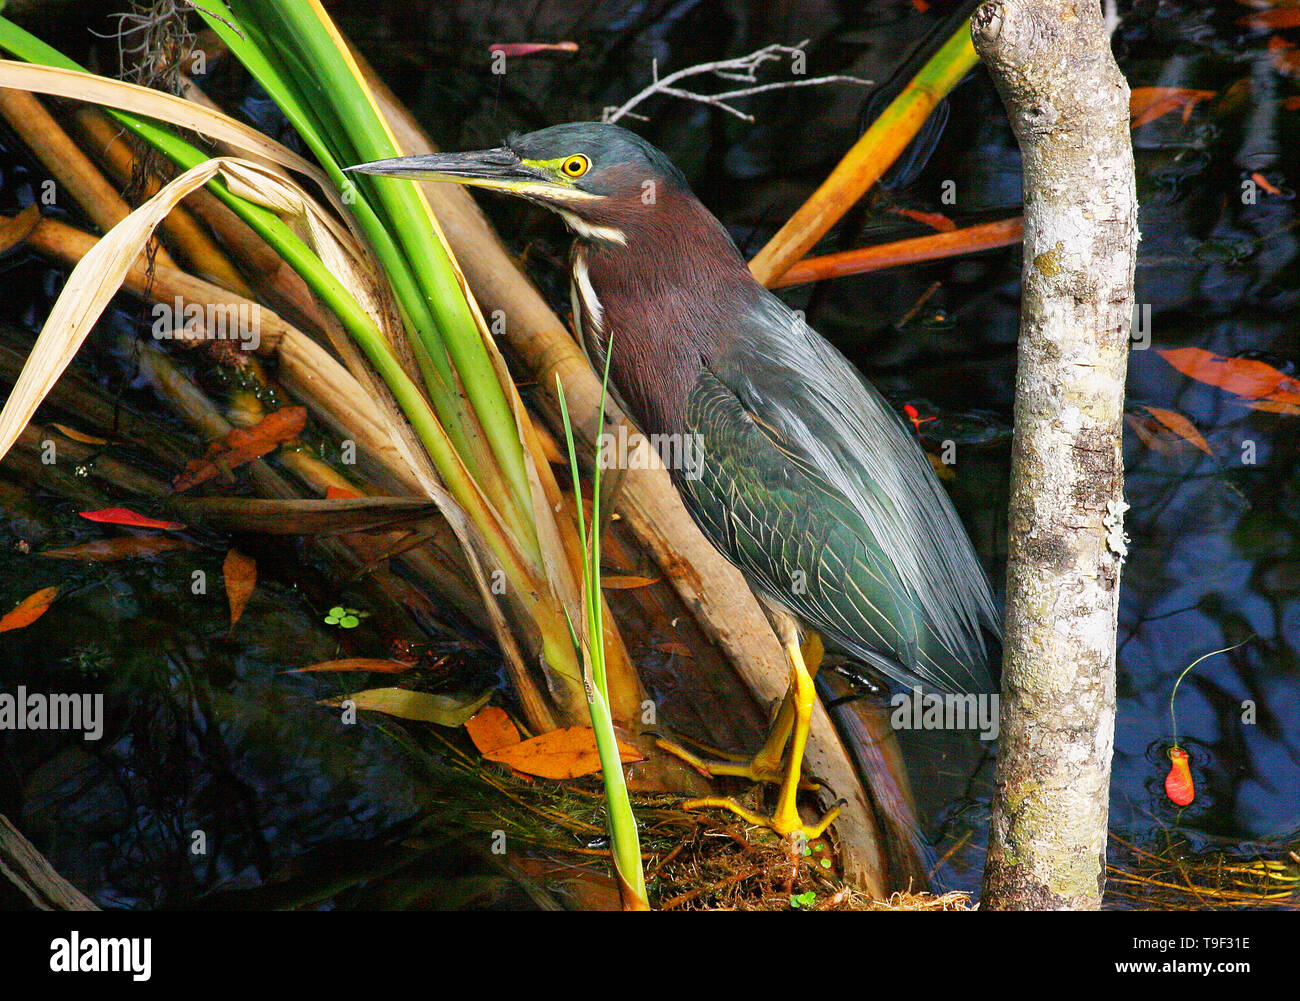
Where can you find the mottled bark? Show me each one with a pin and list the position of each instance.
(1068, 105)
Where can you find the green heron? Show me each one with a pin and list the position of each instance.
(810, 484)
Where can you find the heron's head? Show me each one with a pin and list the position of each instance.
(600, 178)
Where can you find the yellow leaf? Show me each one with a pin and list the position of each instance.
(445, 710)
(75, 435)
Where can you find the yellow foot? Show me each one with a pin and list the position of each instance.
(760, 768)
(782, 825)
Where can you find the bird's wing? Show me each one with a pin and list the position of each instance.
(828, 453)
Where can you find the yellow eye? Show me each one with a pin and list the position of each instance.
(575, 166)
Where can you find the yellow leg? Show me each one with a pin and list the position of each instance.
(801, 699)
(768, 764)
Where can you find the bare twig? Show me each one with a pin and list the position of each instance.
(742, 68)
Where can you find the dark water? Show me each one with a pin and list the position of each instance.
(210, 733)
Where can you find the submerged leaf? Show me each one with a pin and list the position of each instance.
(357, 664)
(240, 572)
(29, 609)
(491, 729)
(444, 710)
(1175, 423)
(560, 754)
(244, 445)
(122, 548)
(79, 436)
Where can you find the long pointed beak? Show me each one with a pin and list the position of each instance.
(488, 168)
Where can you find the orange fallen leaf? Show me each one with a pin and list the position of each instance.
(244, 445)
(673, 647)
(125, 516)
(937, 221)
(560, 754)
(1146, 104)
(1285, 57)
(1265, 183)
(1179, 786)
(1243, 376)
(123, 548)
(1180, 426)
(29, 609)
(357, 664)
(75, 435)
(240, 572)
(492, 729)
(1285, 18)
(1274, 407)
(625, 581)
(1291, 103)
(341, 493)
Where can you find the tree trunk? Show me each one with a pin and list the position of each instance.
(1069, 107)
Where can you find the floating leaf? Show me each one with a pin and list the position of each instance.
(560, 754)
(244, 445)
(124, 548)
(125, 516)
(357, 664)
(492, 729)
(1146, 104)
(444, 710)
(29, 609)
(673, 647)
(1180, 426)
(1243, 376)
(1178, 783)
(240, 572)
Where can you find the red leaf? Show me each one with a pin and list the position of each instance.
(125, 516)
(1146, 104)
(1243, 376)
(244, 445)
(340, 493)
(1179, 786)
(29, 609)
